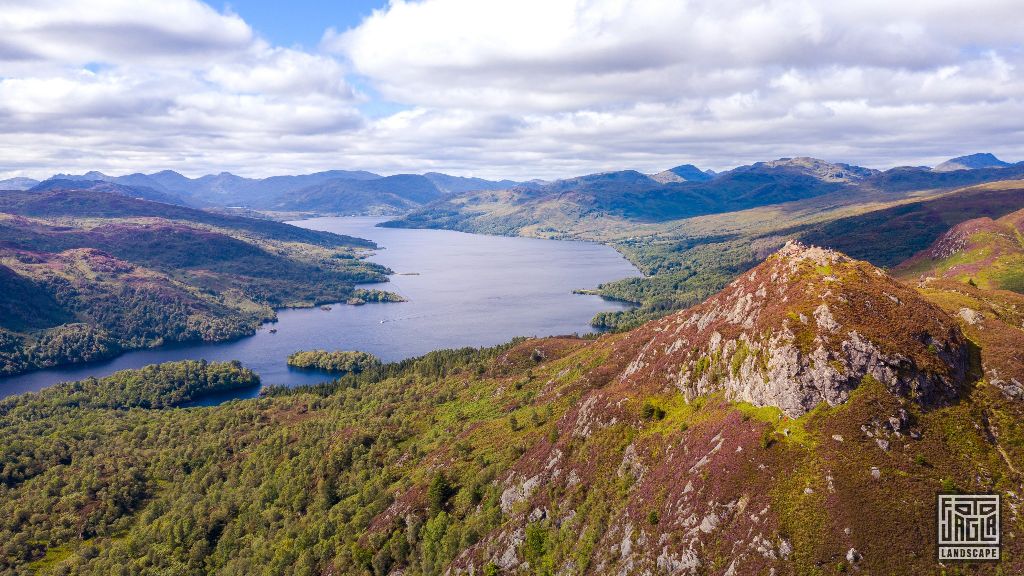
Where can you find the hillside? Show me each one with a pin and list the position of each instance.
(988, 252)
(633, 196)
(382, 196)
(85, 275)
(88, 204)
(891, 235)
(801, 421)
(130, 191)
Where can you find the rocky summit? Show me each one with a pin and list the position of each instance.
(805, 327)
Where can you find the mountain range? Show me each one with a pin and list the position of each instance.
(333, 191)
(683, 191)
(818, 350)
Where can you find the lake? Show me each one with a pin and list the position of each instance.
(463, 290)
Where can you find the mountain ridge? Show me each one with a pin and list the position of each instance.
(226, 189)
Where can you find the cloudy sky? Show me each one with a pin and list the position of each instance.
(503, 88)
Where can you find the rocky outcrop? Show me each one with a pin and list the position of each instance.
(805, 327)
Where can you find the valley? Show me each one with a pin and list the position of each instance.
(769, 402)
(466, 290)
(800, 420)
(740, 217)
(505, 288)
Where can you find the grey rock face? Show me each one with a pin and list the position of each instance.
(806, 327)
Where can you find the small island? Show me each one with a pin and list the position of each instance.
(336, 361)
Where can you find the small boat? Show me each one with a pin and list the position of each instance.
(273, 330)
(381, 321)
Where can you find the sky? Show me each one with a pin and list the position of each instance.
(503, 88)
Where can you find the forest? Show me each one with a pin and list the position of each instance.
(98, 479)
(333, 361)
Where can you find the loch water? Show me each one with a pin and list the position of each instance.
(463, 290)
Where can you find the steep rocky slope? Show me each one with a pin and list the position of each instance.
(806, 327)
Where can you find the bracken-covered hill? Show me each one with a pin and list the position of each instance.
(801, 421)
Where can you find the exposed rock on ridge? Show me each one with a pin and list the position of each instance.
(805, 327)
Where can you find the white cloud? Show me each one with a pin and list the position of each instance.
(717, 82)
(116, 31)
(120, 85)
(516, 88)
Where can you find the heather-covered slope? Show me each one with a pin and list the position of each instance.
(888, 236)
(130, 191)
(87, 274)
(613, 455)
(89, 204)
(988, 252)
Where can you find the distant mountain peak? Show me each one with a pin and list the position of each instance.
(971, 162)
(683, 173)
(18, 183)
(821, 169)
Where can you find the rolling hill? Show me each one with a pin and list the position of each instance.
(800, 421)
(130, 191)
(86, 274)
